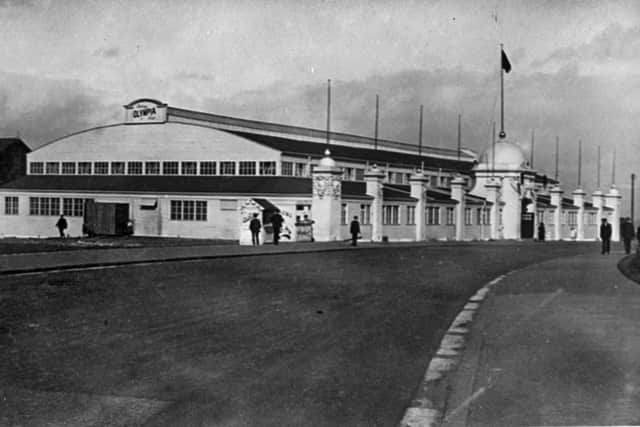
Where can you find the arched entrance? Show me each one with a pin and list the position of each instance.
(526, 220)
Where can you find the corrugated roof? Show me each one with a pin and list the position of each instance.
(344, 153)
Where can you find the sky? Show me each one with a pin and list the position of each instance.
(71, 65)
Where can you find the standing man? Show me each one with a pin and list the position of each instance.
(541, 232)
(276, 223)
(605, 236)
(62, 225)
(627, 234)
(255, 227)
(355, 231)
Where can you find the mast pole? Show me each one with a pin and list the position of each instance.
(579, 163)
(532, 146)
(328, 111)
(375, 136)
(420, 133)
(557, 155)
(502, 132)
(493, 151)
(598, 183)
(459, 134)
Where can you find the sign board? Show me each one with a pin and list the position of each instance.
(145, 111)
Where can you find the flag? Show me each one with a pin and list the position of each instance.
(506, 65)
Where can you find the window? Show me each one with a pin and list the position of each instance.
(267, 168)
(450, 216)
(152, 168)
(591, 218)
(53, 168)
(189, 168)
(117, 168)
(73, 207)
(207, 168)
(45, 206)
(134, 168)
(485, 216)
(287, 168)
(227, 168)
(36, 168)
(170, 168)
(399, 176)
(433, 215)
(540, 216)
(572, 218)
(390, 215)
(201, 210)
(359, 174)
(343, 214)
(468, 220)
(11, 205)
(247, 168)
(68, 168)
(365, 214)
(411, 215)
(188, 210)
(479, 216)
(101, 168)
(84, 168)
(301, 169)
(347, 174)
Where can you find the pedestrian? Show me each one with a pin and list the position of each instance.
(541, 232)
(573, 234)
(355, 231)
(255, 227)
(605, 236)
(62, 225)
(627, 234)
(276, 223)
(309, 222)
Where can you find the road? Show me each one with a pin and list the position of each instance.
(556, 344)
(338, 338)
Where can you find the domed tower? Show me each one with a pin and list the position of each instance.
(506, 169)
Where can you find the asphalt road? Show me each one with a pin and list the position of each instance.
(338, 338)
(555, 344)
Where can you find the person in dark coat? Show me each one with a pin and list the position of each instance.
(276, 223)
(354, 229)
(627, 234)
(61, 225)
(605, 236)
(255, 227)
(542, 233)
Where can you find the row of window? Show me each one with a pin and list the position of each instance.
(153, 168)
(391, 215)
(45, 206)
(567, 218)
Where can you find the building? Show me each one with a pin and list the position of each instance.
(13, 159)
(166, 171)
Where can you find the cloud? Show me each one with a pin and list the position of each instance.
(111, 52)
(614, 43)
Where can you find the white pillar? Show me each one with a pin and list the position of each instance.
(612, 200)
(325, 203)
(457, 194)
(556, 200)
(493, 187)
(418, 182)
(578, 200)
(374, 178)
(597, 199)
(512, 208)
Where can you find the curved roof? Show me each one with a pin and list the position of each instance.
(507, 155)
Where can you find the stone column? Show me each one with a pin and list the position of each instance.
(597, 198)
(374, 178)
(556, 200)
(457, 194)
(578, 200)
(418, 182)
(325, 203)
(493, 186)
(512, 209)
(612, 200)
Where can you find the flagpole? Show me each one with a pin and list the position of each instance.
(557, 155)
(532, 145)
(502, 132)
(459, 134)
(598, 184)
(328, 110)
(420, 134)
(579, 163)
(375, 140)
(493, 151)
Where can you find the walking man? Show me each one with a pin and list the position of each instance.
(255, 227)
(355, 231)
(627, 234)
(605, 236)
(276, 223)
(62, 225)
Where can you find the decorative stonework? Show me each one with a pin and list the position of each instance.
(328, 186)
(248, 208)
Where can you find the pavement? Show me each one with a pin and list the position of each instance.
(86, 258)
(556, 343)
